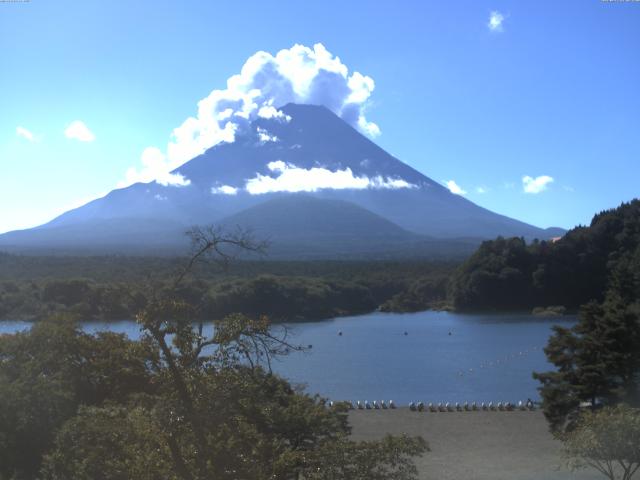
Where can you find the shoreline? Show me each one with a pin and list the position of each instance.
(568, 316)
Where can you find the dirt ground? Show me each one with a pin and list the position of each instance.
(475, 445)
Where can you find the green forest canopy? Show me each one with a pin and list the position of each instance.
(508, 274)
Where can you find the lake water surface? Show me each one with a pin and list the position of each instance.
(487, 357)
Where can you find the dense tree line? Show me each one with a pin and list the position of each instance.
(509, 274)
(292, 291)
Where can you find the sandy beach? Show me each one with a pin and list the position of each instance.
(475, 445)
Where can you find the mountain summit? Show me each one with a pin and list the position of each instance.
(297, 152)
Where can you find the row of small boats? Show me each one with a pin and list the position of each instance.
(443, 407)
(472, 407)
(366, 405)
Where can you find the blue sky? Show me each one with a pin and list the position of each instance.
(552, 91)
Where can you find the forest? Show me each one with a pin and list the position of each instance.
(505, 274)
(114, 287)
(508, 274)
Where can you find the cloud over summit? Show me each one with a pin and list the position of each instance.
(299, 74)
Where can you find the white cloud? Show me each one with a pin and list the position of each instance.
(536, 185)
(155, 166)
(77, 130)
(455, 188)
(26, 134)
(369, 128)
(299, 74)
(224, 190)
(294, 179)
(481, 190)
(496, 19)
(269, 111)
(160, 198)
(265, 136)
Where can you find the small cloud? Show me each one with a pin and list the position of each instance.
(269, 112)
(568, 188)
(224, 190)
(155, 166)
(496, 19)
(77, 130)
(265, 136)
(159, 197)
(369, 128)
(455, 188)
(26, 134)
(481, 190)
(536, 185)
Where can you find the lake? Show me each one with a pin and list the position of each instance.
(444, 357)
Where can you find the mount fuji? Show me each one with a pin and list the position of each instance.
(305, 179)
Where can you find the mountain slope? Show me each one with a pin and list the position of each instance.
(304, 226)
(269, 157)
(301, 217)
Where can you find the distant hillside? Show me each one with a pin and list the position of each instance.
(509, 274)
(293, 218)
(304, 226)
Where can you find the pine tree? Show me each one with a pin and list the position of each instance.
(597, 360)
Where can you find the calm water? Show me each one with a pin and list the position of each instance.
(486, 357)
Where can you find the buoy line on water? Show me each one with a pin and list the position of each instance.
(506, 360)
